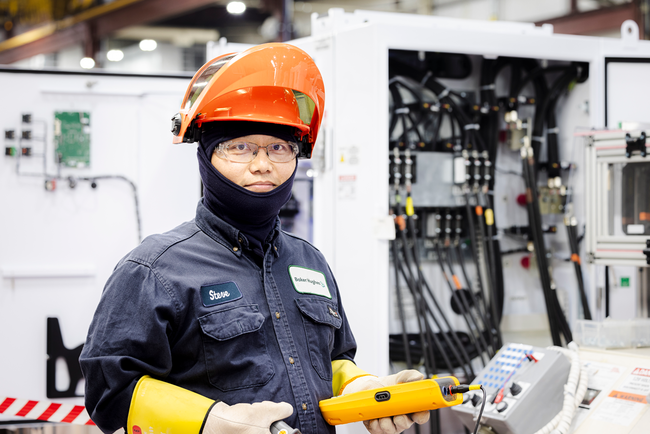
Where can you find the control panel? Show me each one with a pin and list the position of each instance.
(524, 386)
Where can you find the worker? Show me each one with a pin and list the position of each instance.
(226, 324)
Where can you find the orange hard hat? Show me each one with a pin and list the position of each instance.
(273, 83)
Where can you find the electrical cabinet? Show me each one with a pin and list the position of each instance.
(352, 222)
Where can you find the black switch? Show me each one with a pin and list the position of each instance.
(515, 389)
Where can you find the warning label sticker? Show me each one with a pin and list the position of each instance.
(638, 382)
(628, 400)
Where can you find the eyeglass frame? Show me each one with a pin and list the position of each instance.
(220, 150)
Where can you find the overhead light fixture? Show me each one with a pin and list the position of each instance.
(115, 55)
(87, 63)
(148, 45)
(236, 8)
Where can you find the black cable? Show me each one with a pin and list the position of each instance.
(486, 327)
(416, 256)
(557, 320)
(552, 147)
(135, 195)
(489, 267)
(453, 346)
(495, 332)
(543, 271)
(480, 412)
(541, 90)
(463, 119)
(394, 117)
(416, 291)
(72, 180)
(452, 332)
(422, 301)
(500, 293)
(464, 308)
(541, 111)
(486, 323)
(534, 74)
(418, 297)
(428, 310)
(402, 109)
(400, 306)
(575, 258)
(491, 256)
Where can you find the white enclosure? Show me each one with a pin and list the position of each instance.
(351, 191)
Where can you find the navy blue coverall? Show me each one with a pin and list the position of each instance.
(193, 308)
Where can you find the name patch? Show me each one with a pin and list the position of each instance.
(219, 293)
(308, 281)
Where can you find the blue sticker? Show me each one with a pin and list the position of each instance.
(220, 293)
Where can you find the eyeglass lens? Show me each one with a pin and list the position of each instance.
(245, 152)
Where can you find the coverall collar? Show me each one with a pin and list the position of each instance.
(230, 236)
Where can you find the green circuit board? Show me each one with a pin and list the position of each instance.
(72, 138)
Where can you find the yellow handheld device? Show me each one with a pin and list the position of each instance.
(389, 401)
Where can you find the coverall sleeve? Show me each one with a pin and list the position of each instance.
(344, 369)
(128, 337)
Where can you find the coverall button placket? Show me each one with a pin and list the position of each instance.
(287, 345)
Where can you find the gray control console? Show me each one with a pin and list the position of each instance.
(525, 390)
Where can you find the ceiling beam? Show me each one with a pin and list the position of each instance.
(95, 23)
(597, 21)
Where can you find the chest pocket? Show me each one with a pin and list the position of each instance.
(320, 319)
(236, 356)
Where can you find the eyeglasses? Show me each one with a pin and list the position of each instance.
(245, 152)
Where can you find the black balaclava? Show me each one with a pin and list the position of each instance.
(252, 213)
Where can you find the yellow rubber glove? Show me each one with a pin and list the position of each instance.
(395, 424)
(343, 373)
(157, 406)
(253, 418)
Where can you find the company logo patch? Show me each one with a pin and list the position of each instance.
(308, 281)
(219, 293)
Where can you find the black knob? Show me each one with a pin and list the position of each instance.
(501, 407)
(515, 389)
(476, 400)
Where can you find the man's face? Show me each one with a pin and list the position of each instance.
(261, 174)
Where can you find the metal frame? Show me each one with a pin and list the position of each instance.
(602, 149)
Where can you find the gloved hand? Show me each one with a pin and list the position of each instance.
(395, 424)
(253, 418)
